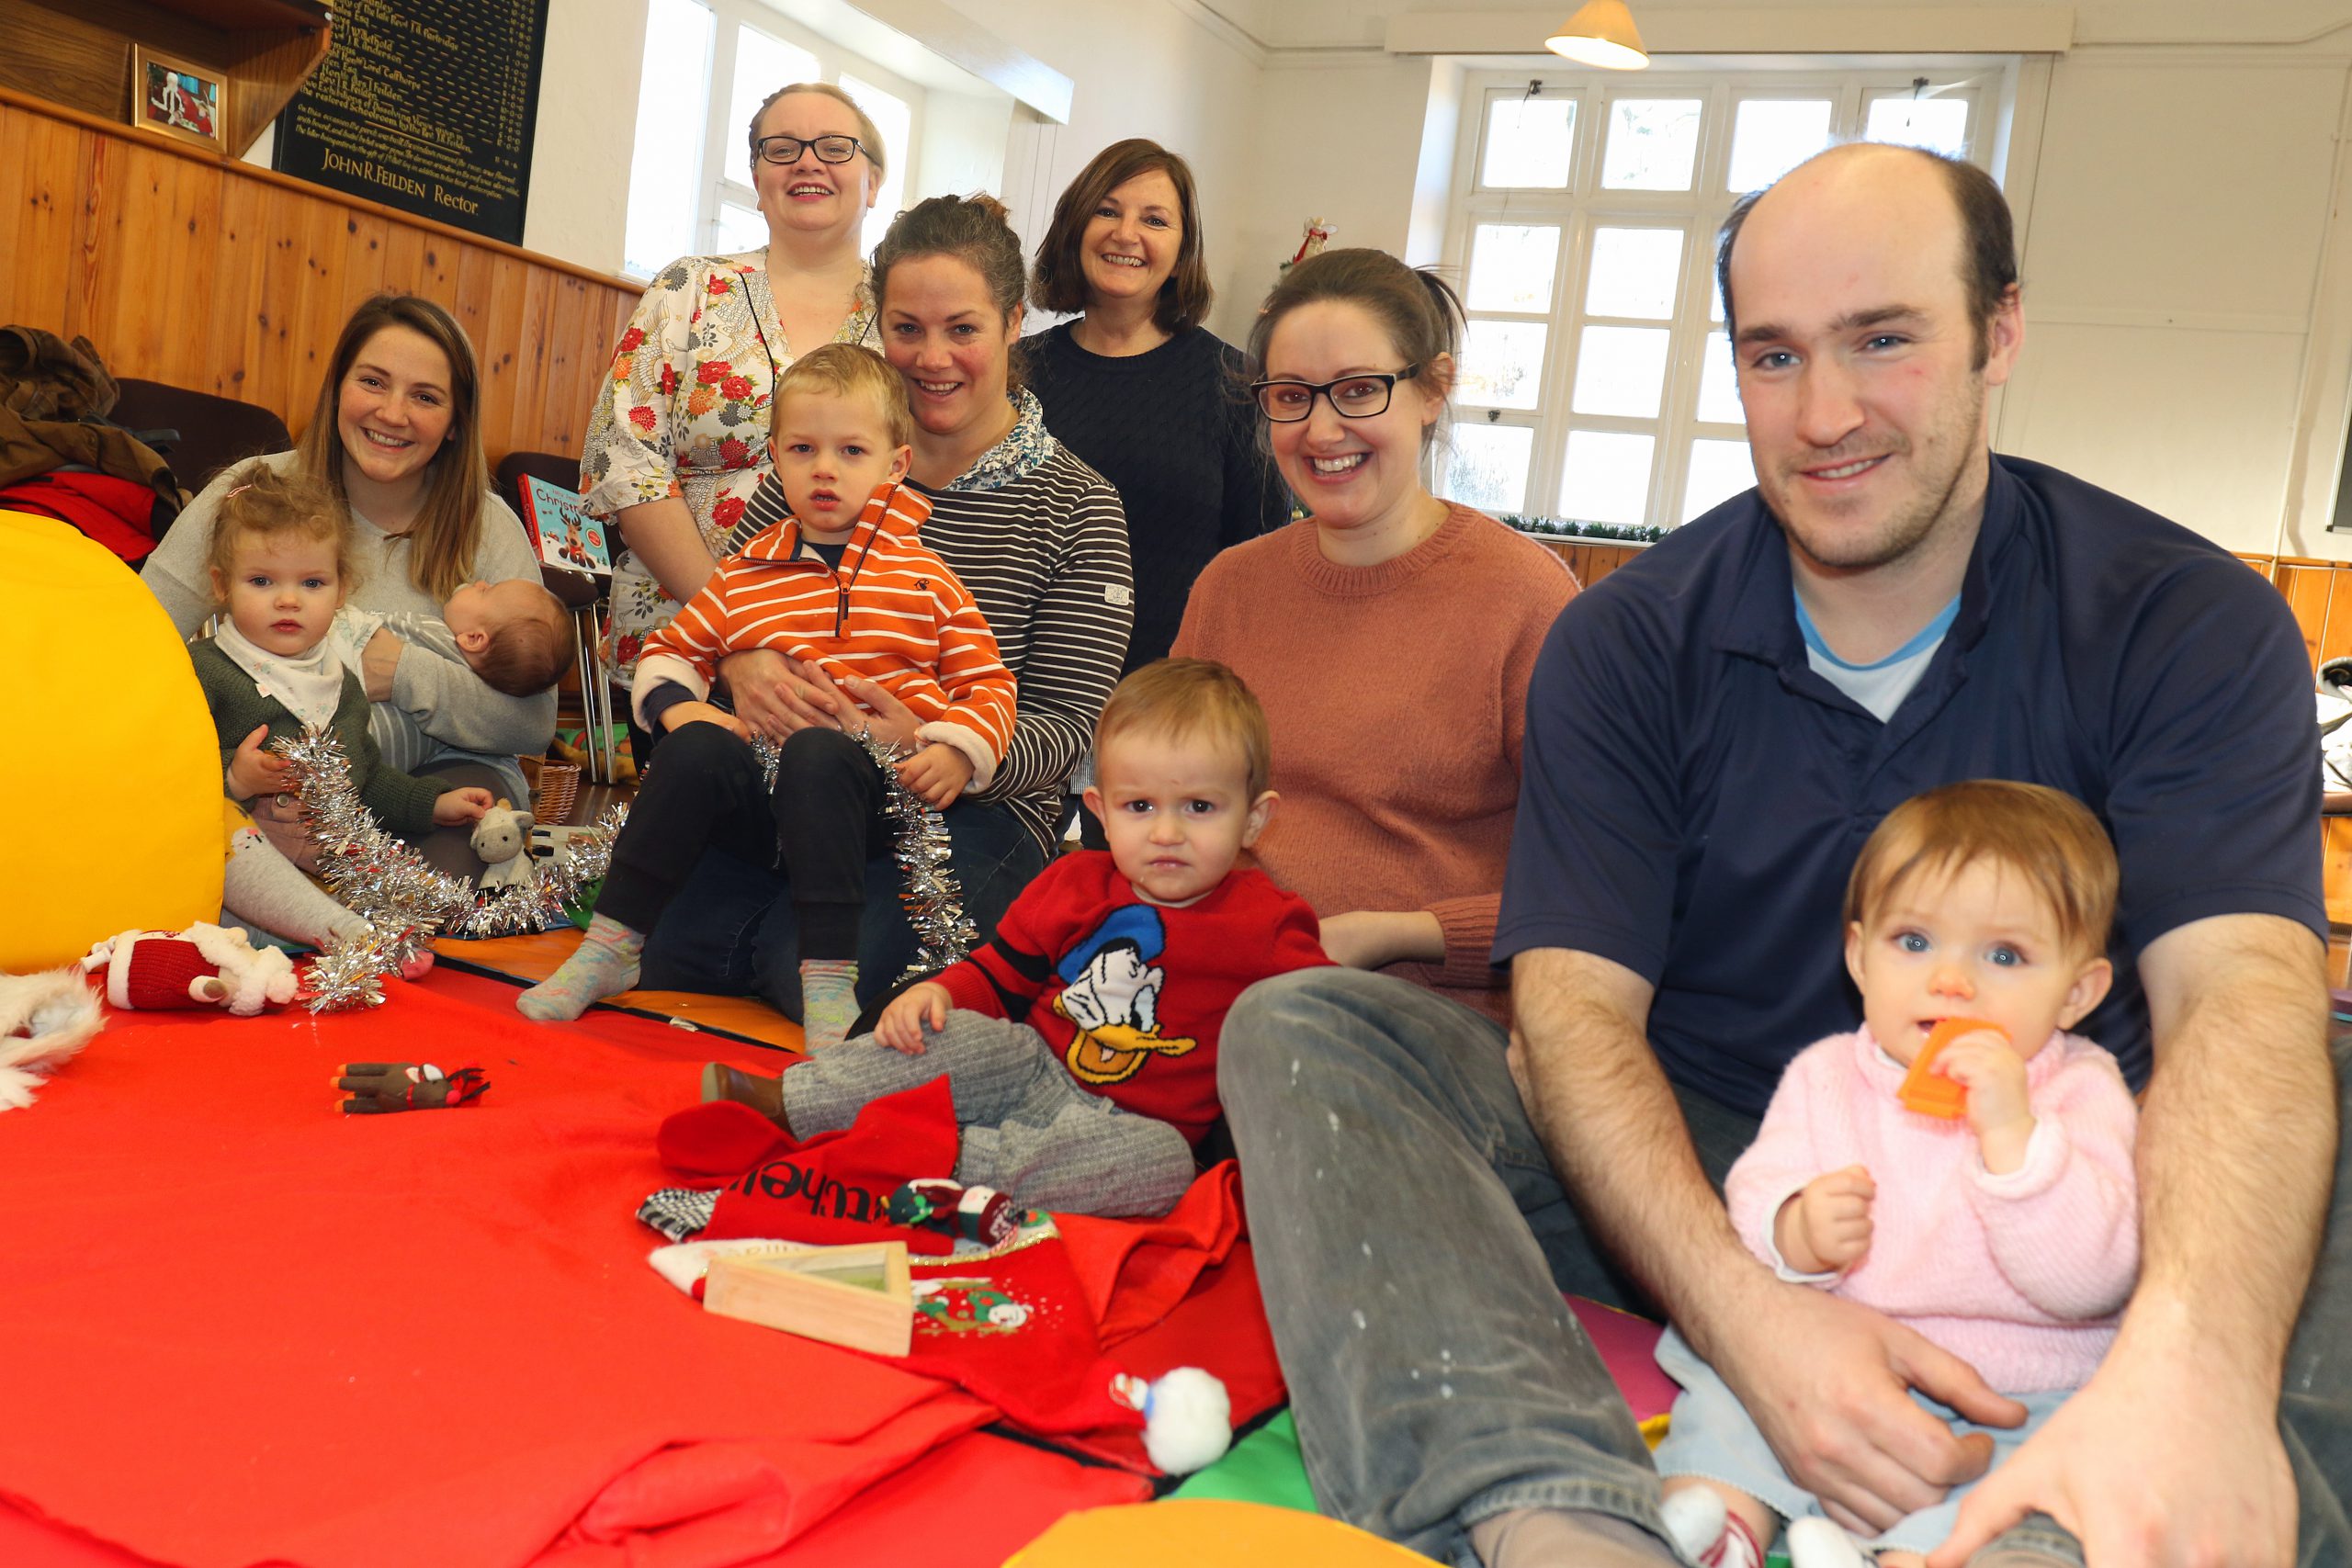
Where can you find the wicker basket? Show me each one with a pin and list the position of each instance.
(554, 792)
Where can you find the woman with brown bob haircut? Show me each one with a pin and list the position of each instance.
(1138, 387)
(396, 437)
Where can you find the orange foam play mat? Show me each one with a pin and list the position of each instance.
(530, 959)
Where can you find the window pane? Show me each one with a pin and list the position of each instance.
(1770, 137)
(1719, 470)
(1608, 477)
(1634, 273)
(741, 229)
(1939, 125)
(762, 65)
(895, 122)
(1621, 370)
(1719, 384)
(1487, 469)
(1511, 267)
(1529, 141)
(1652, 144)
(1503, 364)
(673, 113)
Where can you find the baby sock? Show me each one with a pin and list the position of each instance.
(263, 888)
(603, 964)
(1709, 1533)
(1818, 1543)
(828, 1001)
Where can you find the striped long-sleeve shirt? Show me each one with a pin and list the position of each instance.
(1046, 556)
(892, 612)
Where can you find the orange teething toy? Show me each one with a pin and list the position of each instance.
(1929, 1092)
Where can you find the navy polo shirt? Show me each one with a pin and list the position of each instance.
(1693, 794)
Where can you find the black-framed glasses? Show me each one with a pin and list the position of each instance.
(1360, 396)
(786, 149)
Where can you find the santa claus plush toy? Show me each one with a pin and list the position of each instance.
(201, 967)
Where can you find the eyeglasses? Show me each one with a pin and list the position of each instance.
(786, 149)
(1360, 396)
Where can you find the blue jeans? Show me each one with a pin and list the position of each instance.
(1412, 1242)
(731, 931)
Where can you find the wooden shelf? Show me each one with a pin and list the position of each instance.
(77, 52)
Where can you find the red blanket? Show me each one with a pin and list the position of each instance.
(242, 1328)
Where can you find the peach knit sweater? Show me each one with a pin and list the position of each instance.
(1398, 695)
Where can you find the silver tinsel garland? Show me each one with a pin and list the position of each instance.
(928, 890)
(404, 901)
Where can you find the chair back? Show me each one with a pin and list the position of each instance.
(197, 433)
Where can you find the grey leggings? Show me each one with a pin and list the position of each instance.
(1029, 1131)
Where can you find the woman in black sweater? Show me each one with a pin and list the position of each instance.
(1136, 386)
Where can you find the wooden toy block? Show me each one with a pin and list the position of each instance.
(859, 1296)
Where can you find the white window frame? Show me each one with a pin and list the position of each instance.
(722, 130)
(1698, 213)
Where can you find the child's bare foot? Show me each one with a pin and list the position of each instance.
(765, 1095)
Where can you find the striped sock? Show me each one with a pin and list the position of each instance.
(828, 1001)
(603, 964)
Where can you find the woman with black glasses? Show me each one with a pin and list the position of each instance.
(1389, 634)
(678, 442)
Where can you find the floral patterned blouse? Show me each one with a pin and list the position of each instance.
(684, 412)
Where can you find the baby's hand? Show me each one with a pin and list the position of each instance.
(937, 774)
(1827, 1226)
(901, 1025)
(254, 772)
(1984, 1064)
(460, 805)
(679, 715)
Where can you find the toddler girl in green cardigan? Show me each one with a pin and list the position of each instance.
(281, 567)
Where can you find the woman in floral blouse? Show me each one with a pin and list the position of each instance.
(678, 442)
(1039, 539)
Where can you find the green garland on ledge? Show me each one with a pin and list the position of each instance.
(1620, 533)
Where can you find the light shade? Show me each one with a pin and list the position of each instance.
(1602, 33)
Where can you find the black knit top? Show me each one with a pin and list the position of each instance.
(1173, 431)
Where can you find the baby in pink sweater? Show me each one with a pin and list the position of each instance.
(2008, 1235)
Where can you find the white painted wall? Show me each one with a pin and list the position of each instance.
(577, 208)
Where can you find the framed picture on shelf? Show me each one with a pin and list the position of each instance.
(178, 97)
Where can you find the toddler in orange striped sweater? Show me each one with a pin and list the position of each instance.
(841, 584)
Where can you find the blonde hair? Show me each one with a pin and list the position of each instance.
(1185, 698)
(843, 370)
(529, 653)
(446, 535)
(869, 136)
(265, 505)
(2045, 836)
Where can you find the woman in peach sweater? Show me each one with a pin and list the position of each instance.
(1390, 634)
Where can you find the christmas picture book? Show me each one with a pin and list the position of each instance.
(565, 534)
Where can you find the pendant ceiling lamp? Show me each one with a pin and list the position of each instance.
(1602, 33)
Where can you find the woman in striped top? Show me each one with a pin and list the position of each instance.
(1039, 540)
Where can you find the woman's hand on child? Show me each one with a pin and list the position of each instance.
(1827, 1226)
(1367, 939)
(937, 774)
(901, 1025)
(380, 660)
(254, 772)
(1986, 1064)
(677, 715)
(460, 805)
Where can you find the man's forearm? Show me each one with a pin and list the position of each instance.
(2237, 1140)
(1615, 1134)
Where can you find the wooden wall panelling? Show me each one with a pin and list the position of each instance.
(2336, 640)
(2306, 590)
(185, 268)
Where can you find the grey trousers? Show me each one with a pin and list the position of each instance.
(1028, 1130)
(1412, 1242)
